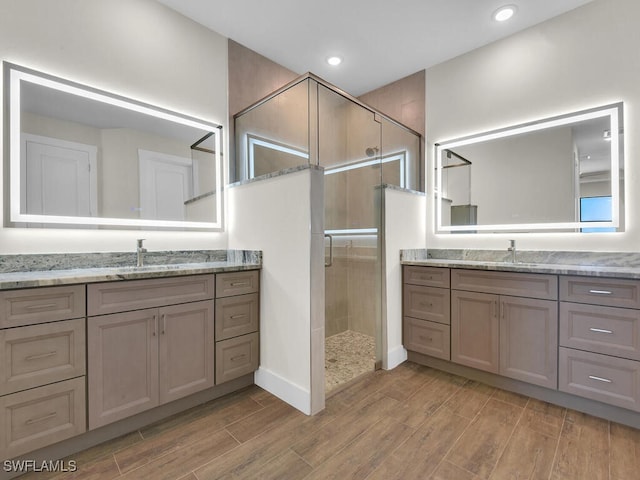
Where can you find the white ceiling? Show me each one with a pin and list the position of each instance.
(380, 40)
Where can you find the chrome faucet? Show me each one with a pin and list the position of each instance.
(512, 249)
(140, 252)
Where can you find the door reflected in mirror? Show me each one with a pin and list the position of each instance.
(535, 177)
(85, 157)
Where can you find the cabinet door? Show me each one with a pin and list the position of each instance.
(187, 349)
(474, 330)
(529, 340)
(122, 365)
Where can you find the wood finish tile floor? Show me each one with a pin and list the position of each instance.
(409, 423)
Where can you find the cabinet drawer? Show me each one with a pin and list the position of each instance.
(600, 377)
(40, 354)
(237, 357)
(41, 416)
(531, 285)
(608, 330)
(113, 297)
(601, 291)
(427, 303)
(427, 276)
(237, 315)
(237, 283)
(426, 337)
(40, 305)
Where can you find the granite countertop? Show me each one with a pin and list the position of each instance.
(608, 265)
(585, 270)
(35, 277)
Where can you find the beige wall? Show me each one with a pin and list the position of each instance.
(402, 100)
(584, 58)
(115, 45)
(251, 78)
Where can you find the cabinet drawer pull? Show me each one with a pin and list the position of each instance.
(600, 379)
(235, 317)
(425, 339)
(601, 292)
(601, 330)
(41, 355)
(238, 357)
(163, 321)
(155, 325)
(41, 307)
(239, 284)
(426, 304)
(31, 421)
(425, 277)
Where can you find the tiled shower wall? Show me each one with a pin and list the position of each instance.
(350, 283)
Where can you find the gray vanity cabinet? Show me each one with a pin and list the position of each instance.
(529, 340)
(139, 359)
(475, 330)
(237, 324)
(514, 337)
(500, 322)
(426, 308)
(123, 365)
(600, 339)
(42, 372)
(506, 323)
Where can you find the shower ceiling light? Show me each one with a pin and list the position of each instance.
(334, 61)
(504, 13)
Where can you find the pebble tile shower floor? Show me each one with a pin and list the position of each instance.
(348, 355)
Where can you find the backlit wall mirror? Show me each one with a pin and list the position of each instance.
(557, 174)
(79, 156)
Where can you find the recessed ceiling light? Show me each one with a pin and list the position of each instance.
(504, 13)
(334, 60)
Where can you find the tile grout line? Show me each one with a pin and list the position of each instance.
(464, 430)
(555, 453)
(113, 455)
(506, 445)
(338, 452)
(415, 429)
(233, 436)
(290, 448)
(609, 445)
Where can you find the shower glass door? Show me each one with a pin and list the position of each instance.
(349, 149)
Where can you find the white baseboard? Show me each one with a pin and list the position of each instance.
(395, 357)
(282, 388)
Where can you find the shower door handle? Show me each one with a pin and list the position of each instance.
(330, 262)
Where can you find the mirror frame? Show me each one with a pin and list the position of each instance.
(15, 74)
(613, 111)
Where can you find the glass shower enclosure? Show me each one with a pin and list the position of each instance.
(361, 152)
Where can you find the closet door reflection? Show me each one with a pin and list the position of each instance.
(350, 151)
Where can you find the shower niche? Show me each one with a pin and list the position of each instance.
(311, 124)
